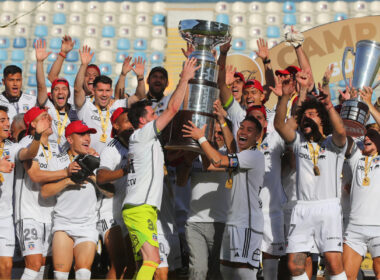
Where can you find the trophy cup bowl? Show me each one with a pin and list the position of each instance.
(355, 112)
(202, 90)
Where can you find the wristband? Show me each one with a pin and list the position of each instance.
(228, 103)
(62, 54)
(201, 140)
(140, 79)
(224, 124)
(266, 61)
(37, 136)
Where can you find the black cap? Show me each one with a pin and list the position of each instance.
(159, 69)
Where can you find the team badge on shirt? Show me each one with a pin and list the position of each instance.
(25, 108)
(154, 237)
(31, 246)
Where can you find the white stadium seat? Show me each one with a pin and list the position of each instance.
(105, 56)
(22, 30)
(93, 7)
(109, 19)
(256, 19)
(107, 43)
(273, 7)
(75, 31)
(239, 31)
(77, 7)
(26, 6)
(239, 7)
(375, 7)
(306, 19)
(111, 7)
(340, 7)
(26, 19)
(359, 6)
(125, 31)
(60, 6)
(76, 18)
(143, 7)
(93, 18)
(239, 19)
(6, 18)
(306, 6)
(142, 32)
(273, 19)
(273, 42)
(42, 18)
(252, 44)
(8, 6)
(256, 7)
(126, 19)
(323, 18)
(92, 31)
(126, 7)
(45, 8)
(322, 7)
(158, 32)
(256, 32)
(58, 31)
(159, 8)
(91, 42)
(222, 7)
(142, 19)
(157, 44)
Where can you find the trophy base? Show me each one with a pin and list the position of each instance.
(355, 115)
(176, 140)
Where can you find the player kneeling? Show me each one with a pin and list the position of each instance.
(74, 218)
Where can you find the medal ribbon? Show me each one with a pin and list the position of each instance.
(367, 165)
(61, 125)
(104, 121)
(314, 153)
(1, 155)
(47, 157)
(291, 105)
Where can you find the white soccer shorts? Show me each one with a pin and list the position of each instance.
(104, 225)
(170, 251)
(78, 233)
(319, 221)
(7, 237)
(34, 237)
(241, 245)
(361, 238)
(273, 235)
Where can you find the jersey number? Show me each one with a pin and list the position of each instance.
(30, 234)
(291, 229)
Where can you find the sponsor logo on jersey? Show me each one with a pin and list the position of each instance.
(264, 146)
(25, 108)
(31, 246)
(237, 255)
(6, 153)
(154, 237)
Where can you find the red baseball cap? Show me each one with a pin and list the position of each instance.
(260, 108)
(78, 127)
(114, 117)
(282, 72)
(31, 115)
(253, 83)
(95, 67)
(239, 75)
(59, 81)
(292, 69)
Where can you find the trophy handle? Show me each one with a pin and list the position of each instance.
(346, 50)
(376, 85)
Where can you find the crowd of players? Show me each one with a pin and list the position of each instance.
(268, 189)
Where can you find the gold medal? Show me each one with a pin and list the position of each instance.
(229, 183)
(366, 181)
(1, 178)
(317, 172)
(103, 138)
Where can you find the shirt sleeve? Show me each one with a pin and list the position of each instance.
(109, 159)
(236, 113)
(82, 111)
(338, 150)
(296, 143)
(147, 133)
(355, 156)
(24, 143)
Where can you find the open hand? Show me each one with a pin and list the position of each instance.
(193, 131)
(41, 53)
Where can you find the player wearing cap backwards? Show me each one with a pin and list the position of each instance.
(113, 169)
(316, 215)
(240, 252)
(74, 215)
(9, 153)
(33, 212)
(61, 112)
(146, 173)
(363, 230)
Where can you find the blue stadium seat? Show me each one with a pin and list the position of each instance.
(70, 79)
(223, 18)
(31, 91)
(70, 68)
(289, 19)
(76, 44)
(340, 16)
(19, 43)
(93, 60)
(18, 64)
(157, 58)
(47, 82)
(2, 66)
(120, 56)
(123, 44)
(341, 83)
(289, 7)
(158, 19)
(18, 55)
(273, 32)
(35, 40)
(32, 68)
(48, 68)
(3, 55)
(72, 56)
(4, 43)
(140, 44)
(105, 69)
(239, 44)
(142, 54)
(32, 81)
(55, 43)
(59, 18)
(333, 94)
(52, 57)
(108, 31)
(41, 31)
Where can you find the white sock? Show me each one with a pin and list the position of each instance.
(41, 273)
(301, 277)
(270, 268)
(83, 274)
(245, 274)
(29, 274)
(59, 275)
(341, 276)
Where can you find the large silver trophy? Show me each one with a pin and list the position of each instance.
(355, 112)
(204, 36)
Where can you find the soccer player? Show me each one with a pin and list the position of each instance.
(319, 160)
(240, 252)
(9, 153)
(363, 230)
(18, 127)
(146, 173)
(74, 216)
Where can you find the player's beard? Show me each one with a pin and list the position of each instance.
(314, 134)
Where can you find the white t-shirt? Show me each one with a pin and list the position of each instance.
(236, 115)
(28, 200)
(89, 114)
(113, 157)
(210, 199)
(6, 187)
(248, 178)
(160, 106)
(146, 167)
(76, 203)
(365, 207)
(26, 102)
(330, 162)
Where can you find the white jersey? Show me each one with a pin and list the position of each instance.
(28, 201)
(248, 177)
(76, 203)
(210, 198)
(364, 199)
(160, 106)
(236, 115)
(6, 186)
(146, 167)
(166, 216)
(113, 157)
(89, 114)
(64, 119)
(25, 102)
(330, 162)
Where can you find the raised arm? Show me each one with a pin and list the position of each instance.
(263, 53)
(178, 95)
(285, 130)
(41, 55)
(366, 95)
(139, 69)
(225, 92)
(227, 134)
(120, 85)
(79, 93)
(66, 47)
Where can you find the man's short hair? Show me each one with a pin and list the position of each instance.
(160, 69)
(4, 109)
(137, 111)
(255, 121)
(103, 79)
(10, 70)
